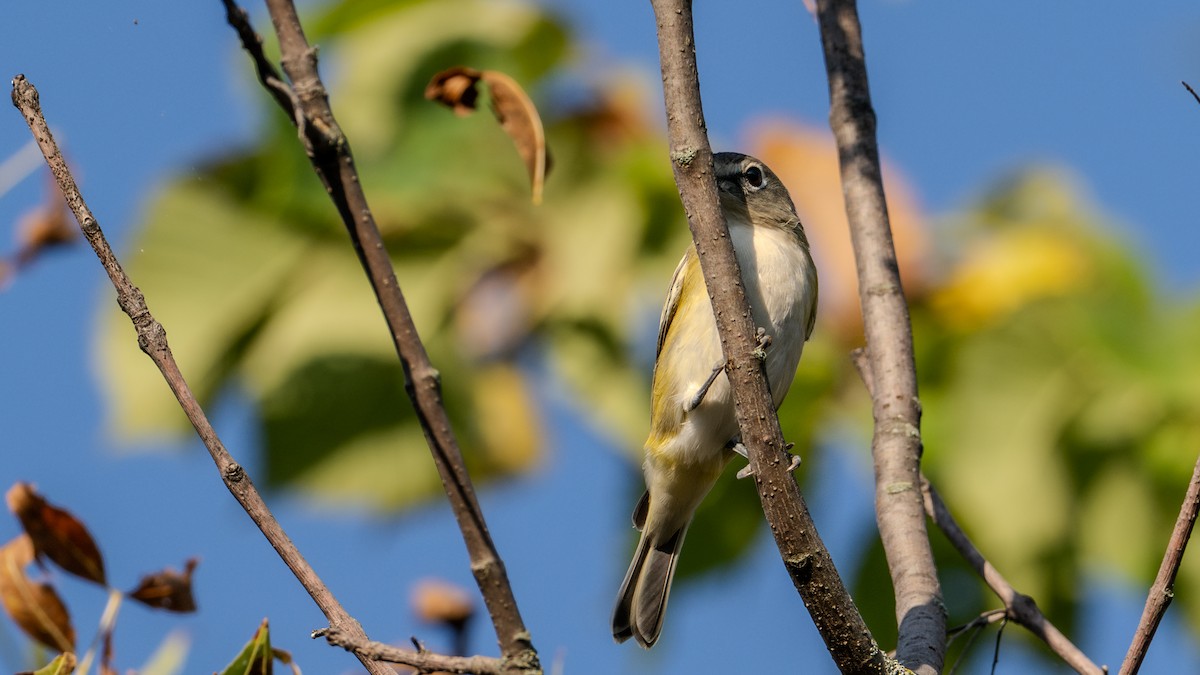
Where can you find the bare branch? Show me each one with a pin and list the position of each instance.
(423, 661)
(152, 338)
(1163, 590)
(1018, 607)
(268, 74)
(307, 105)
(896, 446)
(804, 555)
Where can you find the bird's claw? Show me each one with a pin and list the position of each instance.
(747, 471)
(763, 341)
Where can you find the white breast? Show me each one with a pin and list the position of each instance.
(780, 284)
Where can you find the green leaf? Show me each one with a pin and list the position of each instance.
(256, 657)
(211, 272)
(63, 664)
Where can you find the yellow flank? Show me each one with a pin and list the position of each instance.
(666, 413)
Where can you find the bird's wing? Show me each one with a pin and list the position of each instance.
(668, 312)
(812, 313)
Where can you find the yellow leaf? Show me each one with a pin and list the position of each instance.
(506, 417)
(1003, 272)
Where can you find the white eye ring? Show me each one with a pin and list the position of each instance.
(755, 178)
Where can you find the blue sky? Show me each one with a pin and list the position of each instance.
(141, 89)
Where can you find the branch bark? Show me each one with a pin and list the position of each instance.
(423, 661)
(307, 105)
(804, 554)
(1163, 590)
(1018, 607)
(152, 338)
(896, 446)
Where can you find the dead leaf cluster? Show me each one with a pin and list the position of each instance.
(53, 535)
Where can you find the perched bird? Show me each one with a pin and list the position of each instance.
(692, 427)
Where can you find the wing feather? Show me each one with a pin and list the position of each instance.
(672, 304)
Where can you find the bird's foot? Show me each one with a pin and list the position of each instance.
(763, 341)
(747, 471)
(695, 402)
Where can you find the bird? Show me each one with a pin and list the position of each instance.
(693, 430)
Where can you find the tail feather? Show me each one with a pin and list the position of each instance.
(642, 600)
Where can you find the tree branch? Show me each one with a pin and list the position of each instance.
(896, 446)
(804, 555)
(307, 105)
(1017, 606)
(422, 660)
(1163, 590)
(152, 338)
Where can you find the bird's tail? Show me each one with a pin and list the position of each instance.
(642, 600)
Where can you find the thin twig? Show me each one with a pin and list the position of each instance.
(152, 338)
(423, 661)
(804, 555)
(268, 74)
(1018, 607)
(1193, 91)
(1163, 590)
(896, 446)
(973, 629)
(329, 151)
(999, 638)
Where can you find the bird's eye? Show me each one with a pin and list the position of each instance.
(754, 177)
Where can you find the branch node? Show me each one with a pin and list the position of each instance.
(234, 473)
(684, 156)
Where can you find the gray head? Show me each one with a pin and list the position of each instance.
(748, 188)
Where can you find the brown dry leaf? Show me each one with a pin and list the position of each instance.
(57, 534)
(520, 120)
(168, 589)
(44, 227)
(35, 607)
(456, 88)
(437, 601)
(285, 657)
